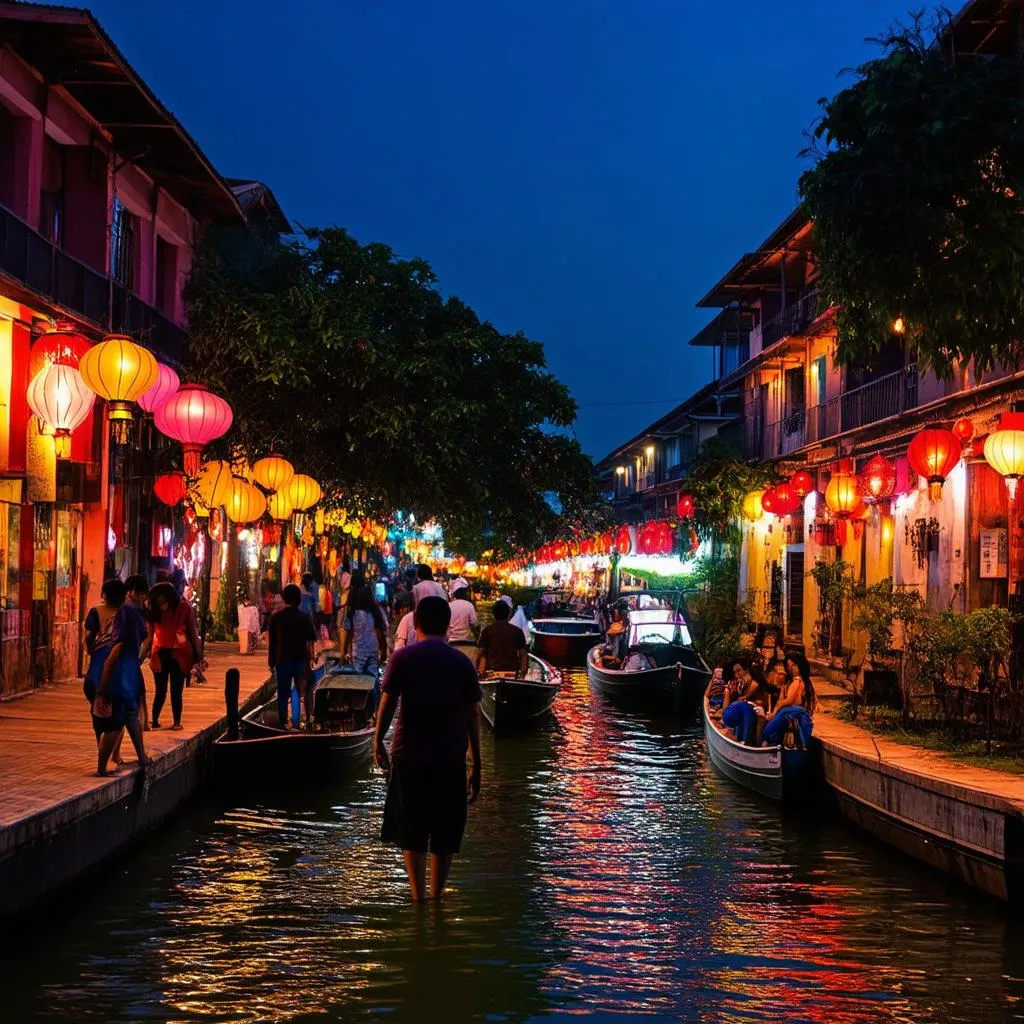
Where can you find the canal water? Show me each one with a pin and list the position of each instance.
(608, 873)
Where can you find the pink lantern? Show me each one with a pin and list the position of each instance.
(195, 417)
(167, 383)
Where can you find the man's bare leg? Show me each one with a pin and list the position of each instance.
(106, 747)
(134, 730)
(416, 869)
(440, 865)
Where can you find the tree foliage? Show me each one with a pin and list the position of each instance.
(348, 360)
(916, 198)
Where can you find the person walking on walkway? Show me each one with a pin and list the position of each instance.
(291, 640)
(439, 716)
(137, 591)
(427, 585)
(99, 638)
(117, 696)
(175, 648)
(464, 626)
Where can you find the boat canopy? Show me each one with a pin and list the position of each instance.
(347, 681)
(657, 626)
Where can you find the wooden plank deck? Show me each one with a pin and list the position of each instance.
(57, 818)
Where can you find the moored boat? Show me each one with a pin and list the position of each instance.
(658, 665)
(511, 702)
(339, 741)
(775, 772)
(565, 640)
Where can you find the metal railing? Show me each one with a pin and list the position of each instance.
(38, 264)
(877, 400)
(794, 319)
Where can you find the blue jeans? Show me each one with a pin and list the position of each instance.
(288, 672)
(775, 730)
(742, 719)
(368, 666)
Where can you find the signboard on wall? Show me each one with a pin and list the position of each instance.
(994, 556)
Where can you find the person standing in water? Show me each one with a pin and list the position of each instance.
(439, 716)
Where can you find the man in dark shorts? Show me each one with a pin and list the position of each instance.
(502, 646)
(292, 636)
(439, 715)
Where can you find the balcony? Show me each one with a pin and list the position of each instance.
(42, 268)
(794, 319)
(888, 396)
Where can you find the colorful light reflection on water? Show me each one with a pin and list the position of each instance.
(608, 873)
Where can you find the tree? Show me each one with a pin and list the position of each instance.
(916, 197)
(348, 360)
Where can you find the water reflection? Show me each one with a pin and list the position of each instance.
(608, 873)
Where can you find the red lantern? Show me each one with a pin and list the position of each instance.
(667, 539)
(932, 454)
(802, 483)
(964, 430)
(685, 506)
(58, 346)
(787, 500)
(587, 548)
(170, 488)
(195, 417)
(623, 541)
(769, 501)
(879, 479)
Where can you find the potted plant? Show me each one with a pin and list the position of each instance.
(834, 580)
(877, 609)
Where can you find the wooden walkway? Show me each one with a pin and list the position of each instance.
(48, 750)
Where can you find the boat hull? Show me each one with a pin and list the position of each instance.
(564, 648)
(674, 688)
(510, 704)
(773, 772)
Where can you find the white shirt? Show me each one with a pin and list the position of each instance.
(427, 588)
(405, 635)
(463, 617)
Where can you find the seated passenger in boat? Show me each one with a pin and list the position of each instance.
(791, 724)
(746, 703)
(502, 646)
(720, 679)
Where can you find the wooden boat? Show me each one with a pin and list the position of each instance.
(510, 702)
(660, 668)
(340, 740)
(565, 640)
(775, 772)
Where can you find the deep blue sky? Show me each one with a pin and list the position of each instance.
(581, 170)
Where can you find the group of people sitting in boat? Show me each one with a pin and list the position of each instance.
(764, 708)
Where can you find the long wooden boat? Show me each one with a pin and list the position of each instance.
(660, 668)
(775, 772)
(340, 740)
(565, 640)
(510, 702)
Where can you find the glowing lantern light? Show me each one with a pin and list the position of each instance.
(304, 492)
(802, 483)
(685, 506)
(167, 383)
(247, 502)
(623, 541)
(1004, 450)
(787, 500)
(842, 495)
(932, 454)
(193, 416)
(57, 346)
(119, 371)
(170, 488)
(215, 484)
(58, 396)
(879, 479)
(665, 538)
(273, 473)
(752, 509)
(769, 501)
(964, 430)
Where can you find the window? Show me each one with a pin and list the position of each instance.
(123, 235)
(51, 200)
(795, 395)
(166, 276)
(673, 455)
(645, 469)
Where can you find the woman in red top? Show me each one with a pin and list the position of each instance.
(174, 643)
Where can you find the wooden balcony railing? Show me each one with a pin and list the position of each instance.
(794, 319)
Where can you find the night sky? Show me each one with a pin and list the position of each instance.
(581, 170)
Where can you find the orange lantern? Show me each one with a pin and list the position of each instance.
(685, 506)
(1004, 450)
(933, 453)
(879, 479)
(802, 483)
(170, 488)
(964, 430)
(842, 495)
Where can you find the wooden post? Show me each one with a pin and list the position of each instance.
(231, 685)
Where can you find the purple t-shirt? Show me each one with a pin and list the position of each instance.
(437, 684)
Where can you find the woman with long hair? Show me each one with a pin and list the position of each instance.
(366, 638)
(174, 646)
(796, 705)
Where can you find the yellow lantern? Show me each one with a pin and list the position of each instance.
(273, 473)
(843, 494)
(320, 520)
(303, 491)
(247, 503)
(215, 483)
(1004, 450)
(357, 530)
(752, 509)
(279, 506)
(119, 371)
